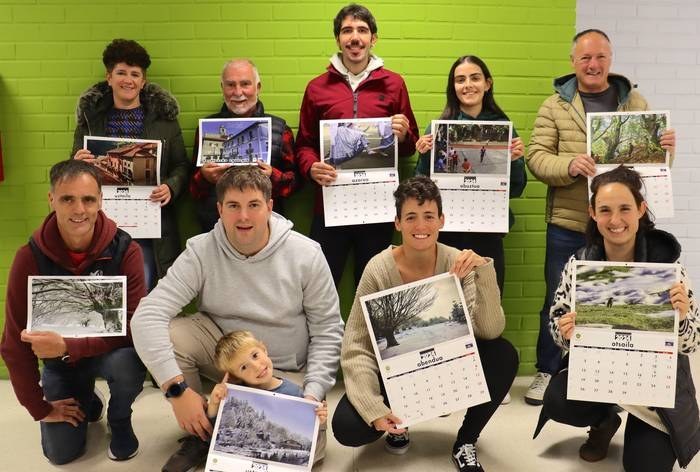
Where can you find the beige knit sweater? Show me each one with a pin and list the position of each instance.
(360, 369)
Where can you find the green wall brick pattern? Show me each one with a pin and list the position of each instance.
(50, 51)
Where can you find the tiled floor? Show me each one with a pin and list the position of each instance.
(504, 446)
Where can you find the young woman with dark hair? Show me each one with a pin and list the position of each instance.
(470, 97)
(621, 229)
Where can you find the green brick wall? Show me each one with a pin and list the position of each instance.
(50, 52)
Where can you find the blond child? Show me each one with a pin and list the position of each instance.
(244, 360)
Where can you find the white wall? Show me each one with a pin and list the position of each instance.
(656, 45)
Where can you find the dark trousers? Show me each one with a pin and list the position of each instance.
(561, 245)
(646, 448)
(124, 373)
(336, 242)
(500, 363)
(484, 244)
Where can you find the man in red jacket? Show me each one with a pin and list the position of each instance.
(356, 85)
(76, 238)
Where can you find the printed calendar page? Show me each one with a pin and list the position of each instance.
(633, 139)
(364, 153)
(130, 171)
(425, 347)
(234, 141)
(624, 346)
(470, 163)
(261, 431)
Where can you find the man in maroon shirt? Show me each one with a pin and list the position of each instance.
(76, 238)
(356, 85)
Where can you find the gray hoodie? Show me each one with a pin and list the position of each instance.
(284, 294)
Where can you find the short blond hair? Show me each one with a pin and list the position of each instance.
(231, 344)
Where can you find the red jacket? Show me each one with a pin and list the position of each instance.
(19, 357)
(329, 97)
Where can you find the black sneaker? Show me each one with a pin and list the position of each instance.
(96, 409)
(397, 443)
(193, 451)
(124, 445)
(464, 457)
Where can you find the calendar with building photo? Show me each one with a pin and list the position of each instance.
(77, 306)
(634, 139)
(424, 344)
(236, 141)
(258, 430)
(470, 162)
(130, 171)
(625, 340)
(364, 153)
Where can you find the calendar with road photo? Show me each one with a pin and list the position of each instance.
(234, 141)
(261, 431)
(130, 171)
(77, 306)
(364, 153)
(470, 163)
(633, 139)
(625, 342)
(425, 347)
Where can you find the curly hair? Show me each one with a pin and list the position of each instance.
(125, 50)
(419, 187)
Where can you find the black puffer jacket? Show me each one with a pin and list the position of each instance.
(160, 122)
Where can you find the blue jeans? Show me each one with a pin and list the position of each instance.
(150, 269)
(561, 245)
(124, 373)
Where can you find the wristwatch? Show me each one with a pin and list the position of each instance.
(176, 389)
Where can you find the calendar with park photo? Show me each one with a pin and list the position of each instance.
(424, 344)
(470, 162)
(625, 340)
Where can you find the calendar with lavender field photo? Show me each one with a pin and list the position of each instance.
(364, 153)
(425, 348)
(625, 342)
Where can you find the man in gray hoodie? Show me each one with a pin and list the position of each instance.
(250, 272)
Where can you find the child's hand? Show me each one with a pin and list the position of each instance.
(322, 412)
(217, 396)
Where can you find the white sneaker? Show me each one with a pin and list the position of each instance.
(506, 399)
(535, 393)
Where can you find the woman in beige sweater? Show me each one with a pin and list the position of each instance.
(363, 414)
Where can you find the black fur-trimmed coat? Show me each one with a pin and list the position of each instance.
(160, 122)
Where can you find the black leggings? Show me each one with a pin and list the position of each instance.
(336, 242)
(646, 448)
(484, 244)
(500, 362)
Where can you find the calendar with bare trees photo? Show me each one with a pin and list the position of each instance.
(425, 347)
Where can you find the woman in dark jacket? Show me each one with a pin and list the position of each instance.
(470, 97)
(620, 229)
(127, 106)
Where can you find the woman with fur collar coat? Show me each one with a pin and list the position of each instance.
(125, 105)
